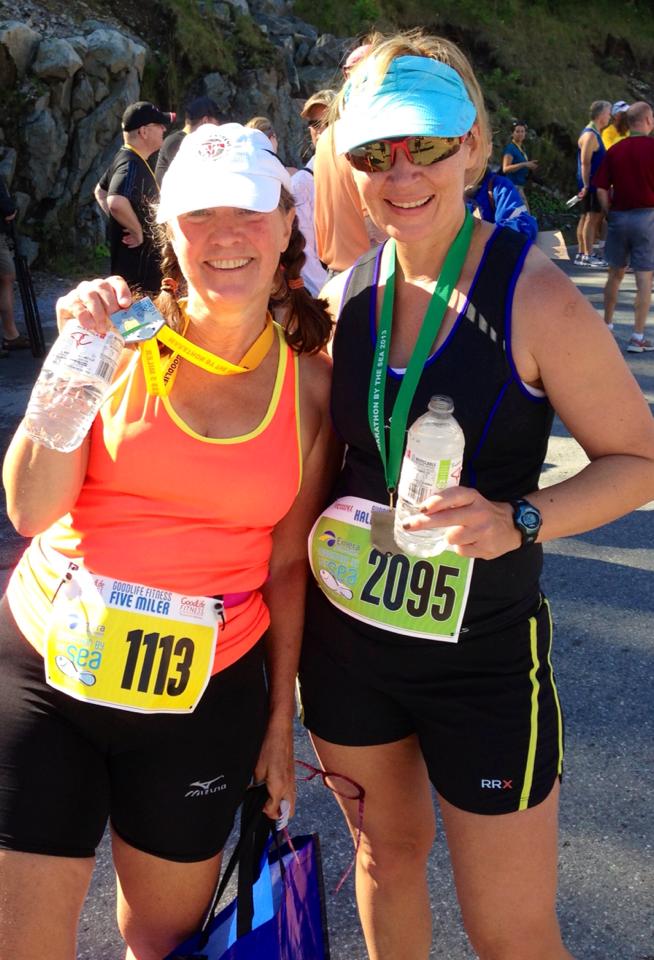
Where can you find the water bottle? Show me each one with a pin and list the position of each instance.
(73, 382)
(432, 462)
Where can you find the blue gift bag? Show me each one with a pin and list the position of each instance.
(278, 913)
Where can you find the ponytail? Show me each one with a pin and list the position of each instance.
(309, 326)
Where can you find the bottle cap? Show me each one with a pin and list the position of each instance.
(441, 404)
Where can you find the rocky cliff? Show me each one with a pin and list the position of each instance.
(68, 68)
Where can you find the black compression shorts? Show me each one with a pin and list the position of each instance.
(170, 784)
(485, 710)
(590, 203)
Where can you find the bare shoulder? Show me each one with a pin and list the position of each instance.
(547, 301)
(315, 386)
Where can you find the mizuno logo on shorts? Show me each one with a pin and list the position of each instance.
(203, 788)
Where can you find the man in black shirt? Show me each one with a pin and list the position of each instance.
(126, 192)
(198, 111)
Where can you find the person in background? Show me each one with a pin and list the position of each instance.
(315, 113)
(265, 126)
(11, 338)
(625, 190)
(516, 165)
(618, 128)
(126, 192)
(590, 151)
(432, 679)
(498, 201)
(343, 229)
(195, 498)
(198, 111)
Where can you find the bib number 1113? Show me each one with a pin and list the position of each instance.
(173, 669)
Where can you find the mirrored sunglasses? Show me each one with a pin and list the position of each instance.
(378, 156)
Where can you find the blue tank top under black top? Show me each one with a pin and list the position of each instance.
(506, 427)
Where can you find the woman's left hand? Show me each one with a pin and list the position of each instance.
(474, 526)
(276, 766)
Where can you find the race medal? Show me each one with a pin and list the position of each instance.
(382, 523)
(415, 597)
(129, 646)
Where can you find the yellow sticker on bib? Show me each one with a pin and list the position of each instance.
(121, 644)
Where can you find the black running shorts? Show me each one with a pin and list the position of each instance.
(485, 710)
(169, 784)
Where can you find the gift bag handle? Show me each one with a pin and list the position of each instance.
(256, 828)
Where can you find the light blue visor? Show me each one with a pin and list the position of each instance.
(418, 97)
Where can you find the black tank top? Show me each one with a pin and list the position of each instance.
(506, 427)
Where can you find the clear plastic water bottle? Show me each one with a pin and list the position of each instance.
(73, 382)
(432, 462)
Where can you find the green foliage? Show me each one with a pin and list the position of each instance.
(250, 45)
(341, 18)
(199, 38)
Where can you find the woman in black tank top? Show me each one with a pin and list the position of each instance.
(516, 343)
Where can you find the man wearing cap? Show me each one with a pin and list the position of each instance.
(126, 192)
(625, 190)
(198, 111)
(618, 128)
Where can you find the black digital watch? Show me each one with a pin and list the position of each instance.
(526, 519)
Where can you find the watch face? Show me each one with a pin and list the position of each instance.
(530, 519)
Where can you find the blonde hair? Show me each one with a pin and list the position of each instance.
(322, 98)
(417, 43)
(263, 124)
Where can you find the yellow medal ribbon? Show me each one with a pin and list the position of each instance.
(159, 384)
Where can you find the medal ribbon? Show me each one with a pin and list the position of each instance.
(431, 324)
(159, 385)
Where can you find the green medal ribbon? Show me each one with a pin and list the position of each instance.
(431, 324)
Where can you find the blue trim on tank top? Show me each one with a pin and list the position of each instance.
(373, 304)
(508, 311)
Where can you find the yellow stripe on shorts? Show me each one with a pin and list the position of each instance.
(533, 733)
(559, 718)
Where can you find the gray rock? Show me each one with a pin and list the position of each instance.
(82, 97)
(241, 6)
(275, 8)
(222, 12)
(108, 50)
(318, 78)
(219, 89)
(8, 165)
(56, 59)
(21, 42)
(100, 89)
(29, 249)
(46, 141)
(22, 201)
(139, 56)
(60, 96)
(328, 51)
(79, 45)
(301, 51)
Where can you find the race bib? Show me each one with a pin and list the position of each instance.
(125, 645)
(415, 597)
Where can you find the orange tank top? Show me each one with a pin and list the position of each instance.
(168, 508)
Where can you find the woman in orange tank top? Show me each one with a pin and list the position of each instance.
(169, 556)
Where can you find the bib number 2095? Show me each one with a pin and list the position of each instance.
(173, 670)
(396, 583)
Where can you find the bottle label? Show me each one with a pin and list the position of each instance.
(421, 478)
(414, 597)
(83, 352)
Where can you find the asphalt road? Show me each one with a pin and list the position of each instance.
(602, 590)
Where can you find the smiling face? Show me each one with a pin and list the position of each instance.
(229, 256)
(409, 202)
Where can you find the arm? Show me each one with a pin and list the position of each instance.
(122, 210)
(285, 588)
(41, 484)
(101, 199)
(509, 165)
(594, 393)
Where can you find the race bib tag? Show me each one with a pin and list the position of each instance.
(416, 597)
(129, 646)
(142, 321)
(382, 524)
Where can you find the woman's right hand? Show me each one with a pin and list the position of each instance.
(92, 302)
(532, 164)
